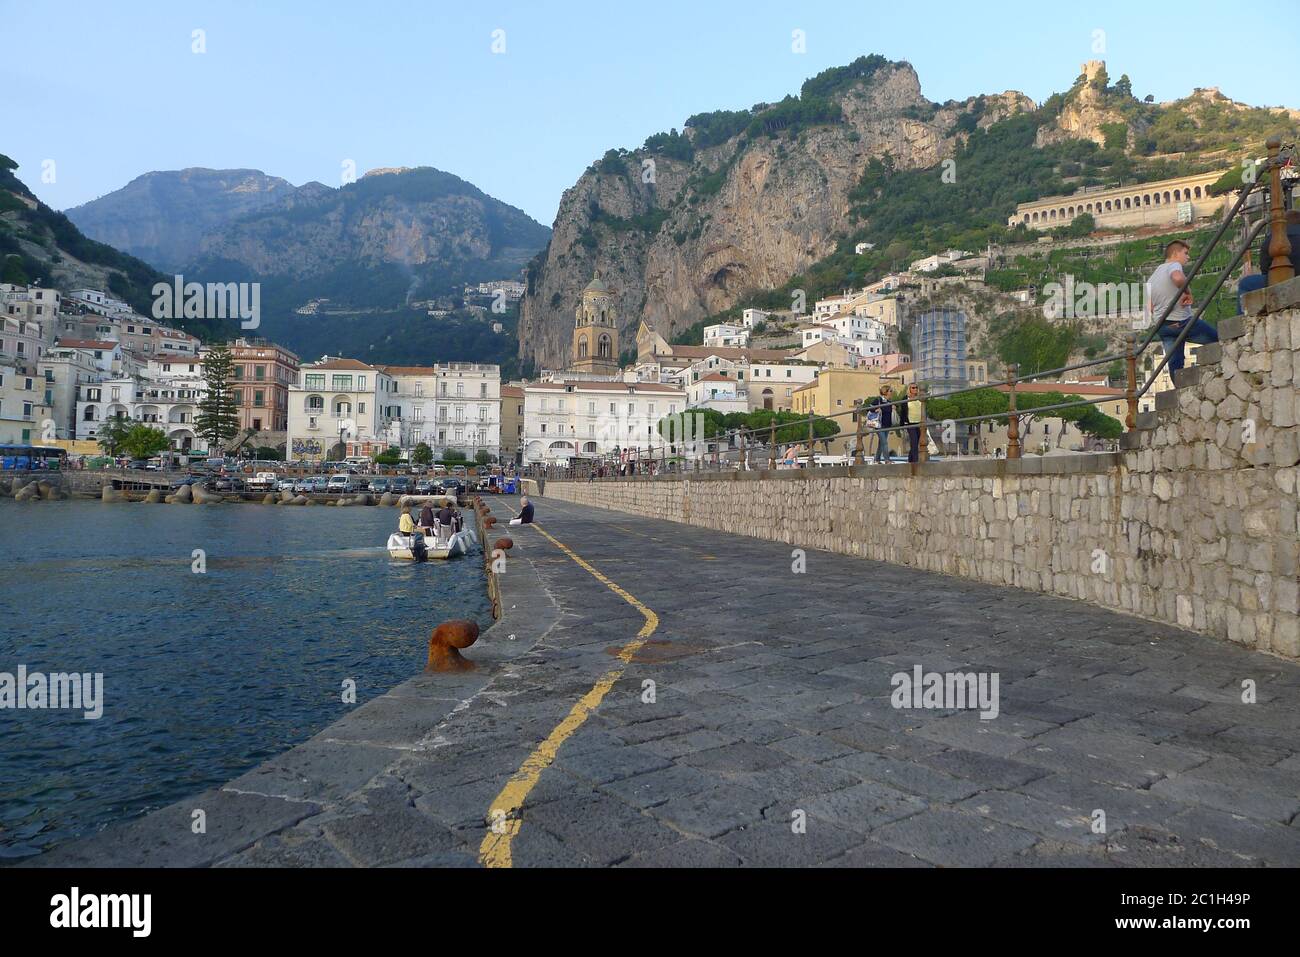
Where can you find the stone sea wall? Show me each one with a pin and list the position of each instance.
(1194, 523)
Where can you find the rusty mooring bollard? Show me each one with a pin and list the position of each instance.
(505, 544)
(489, 521)
(445, 644)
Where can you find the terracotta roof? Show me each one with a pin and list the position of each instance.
(85, 344)
(1065, 388)
(901, 367)
(407, 370)
(341, 364)
(513, 391)
(716, 377)
(594, 385)
(731, 352)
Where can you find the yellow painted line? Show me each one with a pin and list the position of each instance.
(503, 818)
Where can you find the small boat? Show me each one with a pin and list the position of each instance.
(419, 547)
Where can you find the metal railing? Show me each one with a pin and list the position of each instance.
(664, 458)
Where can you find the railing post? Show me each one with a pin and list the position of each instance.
(1130, 391)
(859, 415)
(811, 436)
(1013, 420)
(923, 447)
(1279, 246)
(771, 446)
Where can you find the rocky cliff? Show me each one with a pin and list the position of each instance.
(682, 231)
(431, 225)
(162, 217)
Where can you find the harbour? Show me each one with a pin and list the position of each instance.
(223, 636)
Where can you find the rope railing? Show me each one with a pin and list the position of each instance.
(665, 457)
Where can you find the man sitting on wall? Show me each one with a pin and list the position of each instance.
(525, 513)
(1168, 284)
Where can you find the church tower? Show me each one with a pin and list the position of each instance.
(595, 333)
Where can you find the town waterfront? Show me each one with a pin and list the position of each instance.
(208, 669)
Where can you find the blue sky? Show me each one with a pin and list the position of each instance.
(112, 90)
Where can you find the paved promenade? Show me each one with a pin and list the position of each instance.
(662, 695)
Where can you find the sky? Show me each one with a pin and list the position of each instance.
(99, 93)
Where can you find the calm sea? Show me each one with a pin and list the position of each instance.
(205, 675)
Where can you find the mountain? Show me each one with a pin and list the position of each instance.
(747, 207)
(162, 217)
(39, 244)
(346, 269)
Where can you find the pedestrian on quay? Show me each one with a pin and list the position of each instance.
(884, 419)
(912, 415)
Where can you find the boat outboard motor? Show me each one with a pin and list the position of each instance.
(418, 550)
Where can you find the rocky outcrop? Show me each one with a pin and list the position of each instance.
(741, 215)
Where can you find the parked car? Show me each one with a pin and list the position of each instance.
(319, 484)
(304, 484)
(286, 485)
(460, 471)
(400, 485)
(379, 485)
(358, 483)
(263, 480)
(440, 470)
(424, 487)
(230, 483)
(452, 486)
(338, 483)
(190, 480)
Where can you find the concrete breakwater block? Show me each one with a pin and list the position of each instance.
(153, 497)
(28, 493)
(110, 494)
(388, 498)
(299, 500)
(184, 495)
(286, 496)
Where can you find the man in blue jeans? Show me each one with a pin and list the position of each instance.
(1168, 284)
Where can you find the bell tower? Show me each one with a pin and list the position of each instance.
(595, 332)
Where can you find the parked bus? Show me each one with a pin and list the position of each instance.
(31, 458)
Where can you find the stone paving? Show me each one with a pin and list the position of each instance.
(771, 738)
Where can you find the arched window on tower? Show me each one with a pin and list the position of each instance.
(606, 347)
(582, 347)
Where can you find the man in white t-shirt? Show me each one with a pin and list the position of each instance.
(1168, 285)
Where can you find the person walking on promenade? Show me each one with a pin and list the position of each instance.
(884, 414)
(1168, 285)
(912, 415)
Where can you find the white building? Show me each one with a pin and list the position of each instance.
(452, 407)
(33, 304)
(752, 317)
(719, 392)
(166, 401)
(22, 341)
(566, 419)
(931, 263)
(344, 401)
(64, 372)
(99, 302)
(725, 334)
